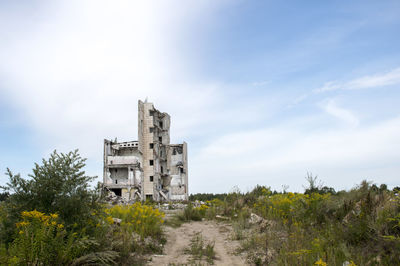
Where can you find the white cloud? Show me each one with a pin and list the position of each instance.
(329, 86)
(283, 154)
(378, 80)
(342, 114)
(77, 69)
(373, 81)
(298, 100)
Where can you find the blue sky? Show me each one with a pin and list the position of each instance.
(262, 91)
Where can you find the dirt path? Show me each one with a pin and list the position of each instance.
(180, 238)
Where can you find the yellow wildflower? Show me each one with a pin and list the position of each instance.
(109, 220)
(20, 224)
(320, 262)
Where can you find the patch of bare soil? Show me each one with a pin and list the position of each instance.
(179, 239)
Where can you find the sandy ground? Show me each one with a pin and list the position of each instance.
(179, 238)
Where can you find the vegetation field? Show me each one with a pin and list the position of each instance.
(317, 227)
(55, 218)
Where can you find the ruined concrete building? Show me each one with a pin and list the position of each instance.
(150, 168)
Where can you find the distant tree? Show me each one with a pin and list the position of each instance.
(261, 191)
(258, 191)
(207, 196)
(325, 190)
(383, 187)
(315, 186)
(374, 188)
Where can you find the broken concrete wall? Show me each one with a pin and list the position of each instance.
(149, 167)
(119, 175)
(177, 169)
(122, 168)
(126, 159)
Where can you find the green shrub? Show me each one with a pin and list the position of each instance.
(42, 240)
(142, 219)
(360, 225)
(200, 248)
(59, 185)
(191, 214)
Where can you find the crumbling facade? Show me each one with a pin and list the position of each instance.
(150, 168)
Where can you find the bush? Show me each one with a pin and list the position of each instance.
(42, 240)
(360, 225)
(142, 219)
(59, 185)
(48, 219)
(191, 214)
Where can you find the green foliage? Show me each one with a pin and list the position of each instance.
(207, 196)
(199, 248)
(41, 240)
(191, 214)
(319, 227)
(361, 225)
(137, 233)
(4, 196)
(315, 186)
(141, 219)
(241, 224)
(59, 185)
(54, 218)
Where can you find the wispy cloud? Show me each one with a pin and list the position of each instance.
(76, 70)
(330, 106)
(372, 81)
(282, 154)
(298, 100)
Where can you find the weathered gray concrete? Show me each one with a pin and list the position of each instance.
(150, 167)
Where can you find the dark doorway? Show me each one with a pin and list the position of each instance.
(117, 191)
